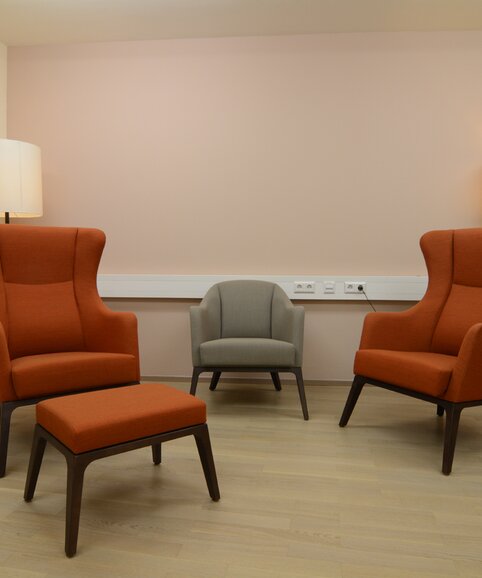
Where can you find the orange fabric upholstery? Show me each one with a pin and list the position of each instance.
(433, 351)
(462, 309)
(33, 311)
(439, 325)
(96, 419)
(425, 372)
(6, 386)
(40, 375)
(51, 315)
(466, 382)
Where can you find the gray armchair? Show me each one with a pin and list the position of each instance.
(247, 326)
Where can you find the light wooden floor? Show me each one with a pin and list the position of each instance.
(297, 498)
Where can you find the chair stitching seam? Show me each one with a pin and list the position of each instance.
(448, 294)
(74, 263)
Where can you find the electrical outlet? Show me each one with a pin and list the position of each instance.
(355, 286)
(305, 286)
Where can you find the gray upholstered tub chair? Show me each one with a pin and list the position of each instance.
(247, 326)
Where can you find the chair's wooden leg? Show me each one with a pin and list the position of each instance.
(196, 372)
(451, 427)
(6, 410)
(214, 380)
(36, 455)
(276, 380)
(75, 480)
(353, 396)
(301, 390)
(206, 455)
(440, 410)
(156, 453)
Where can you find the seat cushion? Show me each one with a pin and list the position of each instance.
(39, 375)
(247, 352)
(97, 419)
(428, 373)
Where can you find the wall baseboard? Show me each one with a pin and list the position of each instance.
(377, 288)
(240, 380)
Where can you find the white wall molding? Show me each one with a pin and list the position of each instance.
(378, 288)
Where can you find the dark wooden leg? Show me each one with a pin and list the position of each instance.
(276, 380)
(196, 372)
(6, 410)
(156, 453)
(353, 396)
(440, 410)
(301, 390)
(75, 480)
(205, 453)
(451, 428)
(36, 455)
(214, 380)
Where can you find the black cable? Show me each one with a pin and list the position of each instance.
(360, 288)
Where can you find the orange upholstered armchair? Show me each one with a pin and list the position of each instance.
(432, 351)
(56, 335)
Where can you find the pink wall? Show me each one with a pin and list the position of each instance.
(305, 154)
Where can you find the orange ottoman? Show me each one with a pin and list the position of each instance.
(97, 424)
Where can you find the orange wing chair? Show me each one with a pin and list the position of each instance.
(56, 335)
(432, 351)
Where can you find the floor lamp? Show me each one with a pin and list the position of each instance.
(20, 179)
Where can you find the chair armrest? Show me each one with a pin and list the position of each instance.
(7, 392)
(205, 323)
(288, 325)
(466, 382)
(111, 331)
(412, 330)
(409, 330)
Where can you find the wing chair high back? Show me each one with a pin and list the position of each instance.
(432, 351)
(56, 335)
(247, 325)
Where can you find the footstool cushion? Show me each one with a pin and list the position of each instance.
(97, 419)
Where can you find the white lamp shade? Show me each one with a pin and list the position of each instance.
(20, 179)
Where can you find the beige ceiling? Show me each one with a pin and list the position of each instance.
(27, 22)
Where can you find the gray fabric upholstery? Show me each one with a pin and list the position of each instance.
(205, 322)
(246, 308)
(247, 352)
(288, 322)
(247, 323)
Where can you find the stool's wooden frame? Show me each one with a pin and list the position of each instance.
(77, 463)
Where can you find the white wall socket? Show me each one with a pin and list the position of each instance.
(355, 286)
(305, 286)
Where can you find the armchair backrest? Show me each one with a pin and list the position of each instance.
(246, 308)
(460, 272)
(453, 301)
(47, 277)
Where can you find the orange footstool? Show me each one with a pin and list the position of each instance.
(97, 424)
